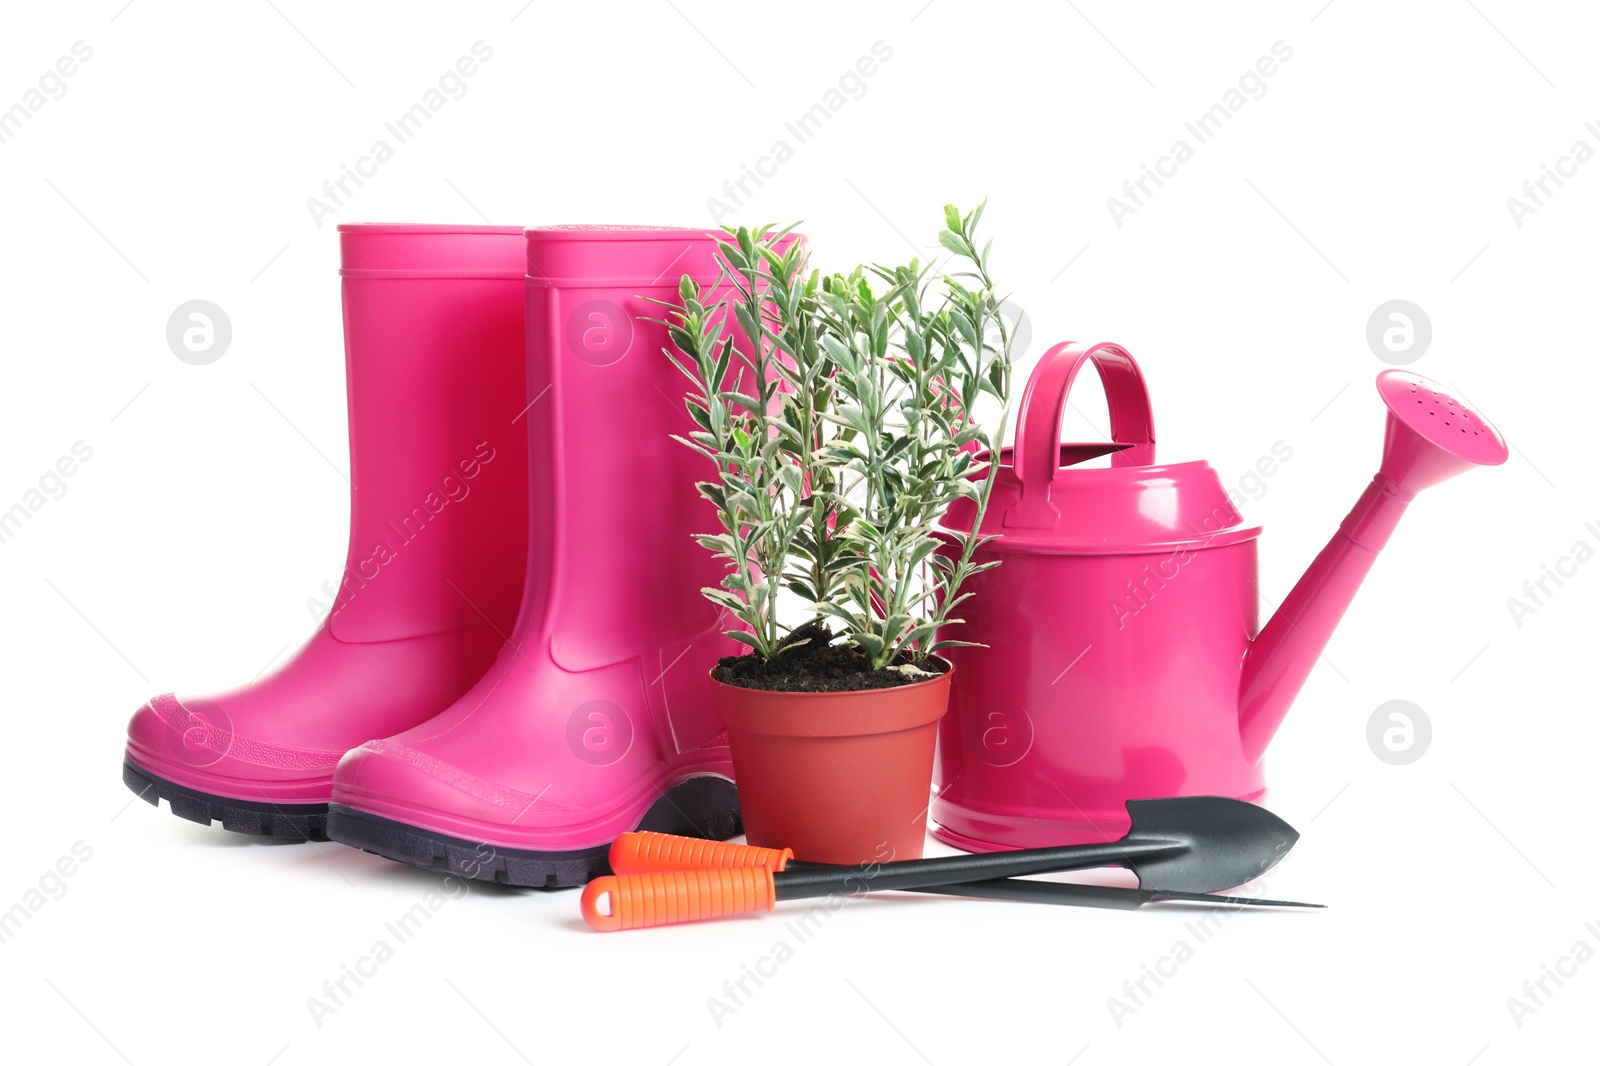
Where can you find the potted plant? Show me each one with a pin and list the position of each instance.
(841, 415)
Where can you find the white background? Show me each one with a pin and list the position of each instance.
(1376, 166)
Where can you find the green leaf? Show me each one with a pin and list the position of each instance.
(747, 638)
(870, 643)
(745, 401)
(802, 589)
(939, 646)
(723, 598)
(953, 242)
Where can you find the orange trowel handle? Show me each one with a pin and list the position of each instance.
(634, 901)
(643, 853)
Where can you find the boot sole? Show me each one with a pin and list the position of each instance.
(297, 822)
(706, 807)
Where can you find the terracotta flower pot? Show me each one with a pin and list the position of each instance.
(840, 777)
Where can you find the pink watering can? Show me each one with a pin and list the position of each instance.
(1123, 656)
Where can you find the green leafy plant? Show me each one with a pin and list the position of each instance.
(842, 415)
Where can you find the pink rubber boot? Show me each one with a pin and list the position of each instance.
(597, 718)
(433, 321)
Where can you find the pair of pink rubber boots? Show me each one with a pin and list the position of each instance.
(514, 670)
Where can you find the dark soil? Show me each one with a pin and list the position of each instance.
(814, 666)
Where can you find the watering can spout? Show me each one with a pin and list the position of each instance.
(1430, 437)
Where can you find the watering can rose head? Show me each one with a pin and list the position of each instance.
(842, 415)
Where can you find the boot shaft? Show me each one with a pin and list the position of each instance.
(614, 571)
(433, 321)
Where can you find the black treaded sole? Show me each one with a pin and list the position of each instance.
(280, 821)
(705, 807)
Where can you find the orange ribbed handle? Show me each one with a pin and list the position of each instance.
(643, 853)
(633, 901)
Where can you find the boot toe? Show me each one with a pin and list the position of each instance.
(405, 783)
(194, 743)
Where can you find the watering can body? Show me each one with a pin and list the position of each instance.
(1121, 655)
(1113, 631)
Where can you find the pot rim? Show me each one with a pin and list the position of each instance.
(949, 668)
(859, 712)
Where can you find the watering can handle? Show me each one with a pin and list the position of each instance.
(1044, 403)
